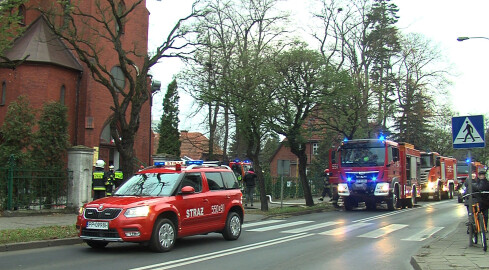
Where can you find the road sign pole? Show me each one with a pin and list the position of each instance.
(469, 191)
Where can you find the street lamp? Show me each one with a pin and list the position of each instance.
(465, 38)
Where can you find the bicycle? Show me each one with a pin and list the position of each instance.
(476, 224)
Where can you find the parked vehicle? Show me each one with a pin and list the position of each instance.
(375, 171)
(164, 202)
(438, 176)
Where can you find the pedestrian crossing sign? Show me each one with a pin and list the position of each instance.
(468, 131)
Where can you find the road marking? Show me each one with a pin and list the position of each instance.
(383, 215)
(312, 227)
(424, 234)
(280, 226)
(260, 223)
(218, 254)
(345, 229)
(383, 231)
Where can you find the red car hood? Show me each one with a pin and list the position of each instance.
(126, 201)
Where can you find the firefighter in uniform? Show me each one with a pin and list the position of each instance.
(118, 178)
(109, 184)
(99, 178)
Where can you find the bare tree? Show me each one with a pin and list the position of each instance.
(88, 33)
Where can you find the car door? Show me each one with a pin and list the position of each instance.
(195, 207)
(217, 197)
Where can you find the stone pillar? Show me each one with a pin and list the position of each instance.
(80, 162)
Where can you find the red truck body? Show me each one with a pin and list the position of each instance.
(375, 171)
(438, 176)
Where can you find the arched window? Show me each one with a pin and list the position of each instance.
(21, 14)
(119, 79)
(121, 8)
(62, 94)
(4, 93)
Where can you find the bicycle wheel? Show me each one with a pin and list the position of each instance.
(474, 233)
(482, 231)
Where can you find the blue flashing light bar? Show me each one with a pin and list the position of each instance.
(345, 139)
(374, 178)
(467, 160)
(348, 179)
(178, 162)
(382, 138)
(194, 162)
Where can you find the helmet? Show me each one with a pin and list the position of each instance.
(111, 167)
(99, 164)
(482, 172)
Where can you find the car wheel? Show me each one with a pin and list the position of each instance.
(348, 203)
(96, 244)
(393, 202)
(164, 236)
(232, 229)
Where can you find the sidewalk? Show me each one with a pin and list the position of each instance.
(450, 252)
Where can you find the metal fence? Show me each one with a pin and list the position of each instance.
(291, 186)
(29, 189)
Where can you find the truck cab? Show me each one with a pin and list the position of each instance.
(375, 171)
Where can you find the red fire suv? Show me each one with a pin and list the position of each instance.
(164, 202)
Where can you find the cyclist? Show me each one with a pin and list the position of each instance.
(483, 199)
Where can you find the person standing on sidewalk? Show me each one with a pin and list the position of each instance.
(99, 178)
(250, 182)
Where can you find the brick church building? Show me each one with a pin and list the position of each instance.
(52, 72)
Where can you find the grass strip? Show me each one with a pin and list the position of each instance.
(36, 234)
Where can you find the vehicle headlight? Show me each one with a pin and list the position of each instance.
(140, 211)
(343, 190)
(81, 210)
(462, 190)
(382, 189)
(431, 185)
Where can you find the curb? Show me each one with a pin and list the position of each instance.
(40, 244)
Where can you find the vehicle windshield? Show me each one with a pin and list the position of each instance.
(362, 156)
(149, 184)
(462, 168)
(426, 161)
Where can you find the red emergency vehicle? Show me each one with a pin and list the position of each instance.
(159, 204)
(240, 167)
(463, 173)
(375, 171)
(438, 176)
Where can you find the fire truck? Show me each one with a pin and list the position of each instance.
(463, 173)
(375, 171)
(240, 167)
(438, 176)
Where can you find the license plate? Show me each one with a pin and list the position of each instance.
(361, 181)
(97, 225)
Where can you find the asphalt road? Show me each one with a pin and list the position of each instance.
(358, 239)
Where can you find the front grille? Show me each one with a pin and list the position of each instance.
(111, 233)
(109, 213)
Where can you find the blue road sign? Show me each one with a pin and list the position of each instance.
(468, 131)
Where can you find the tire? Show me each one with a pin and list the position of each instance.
(450, 192)
(348, 203)
(437, 195)
(424, 197)
(474, 234)
(371, 205)
(482, 231)
(96, 244)
(164, 236)
(232, 229)
(460, 199)
(393, 202)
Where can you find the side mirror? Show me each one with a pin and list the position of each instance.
(187, 190)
